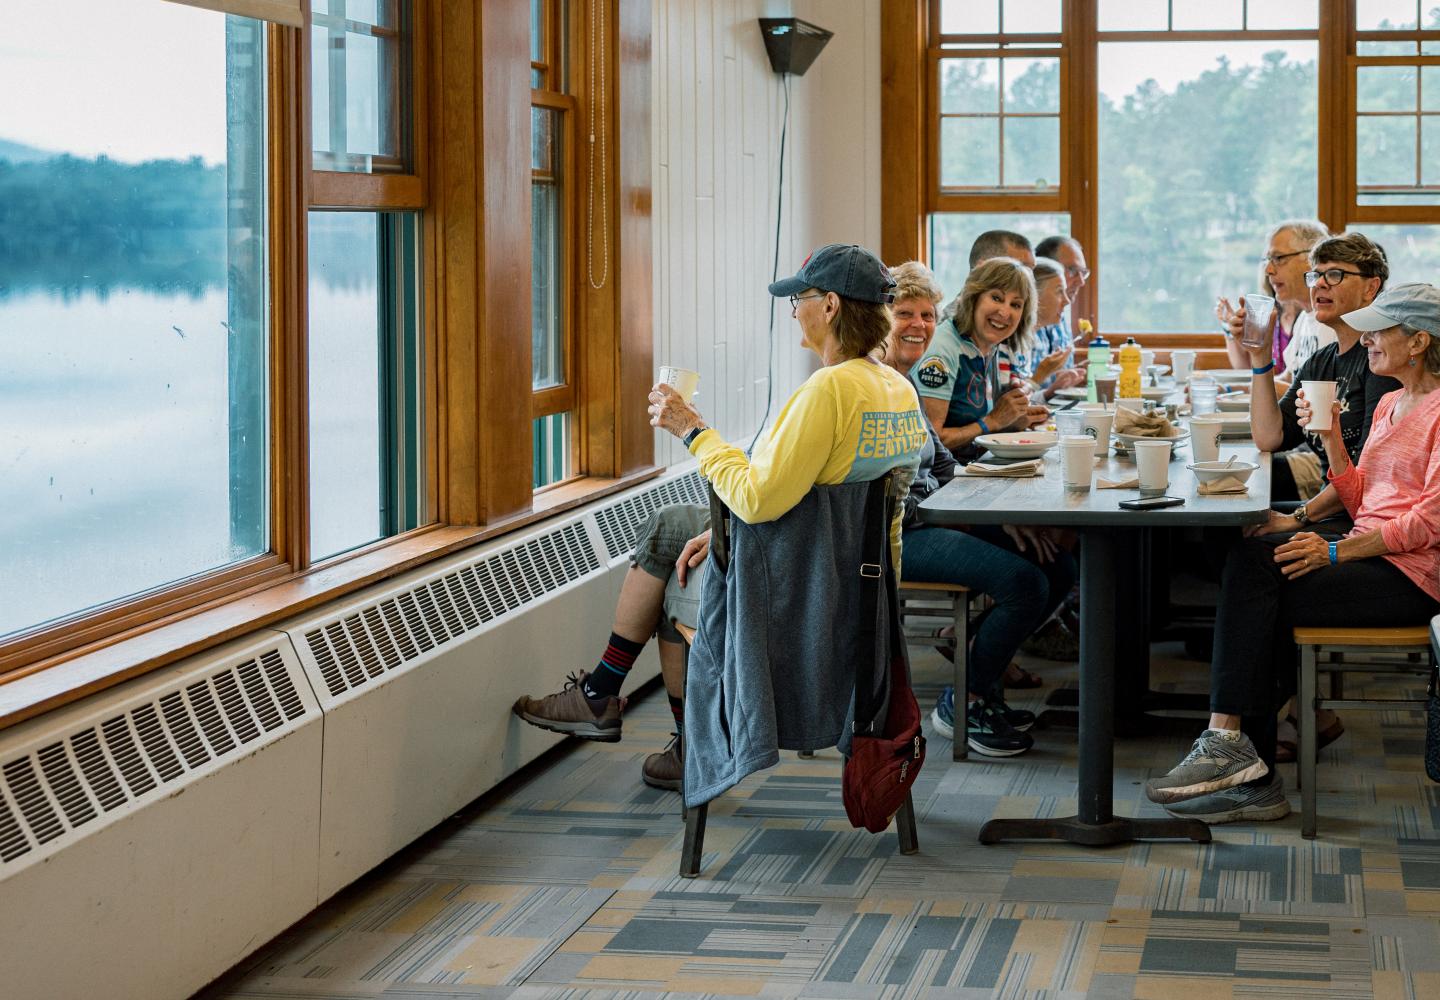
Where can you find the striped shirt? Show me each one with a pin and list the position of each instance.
(1395, 489)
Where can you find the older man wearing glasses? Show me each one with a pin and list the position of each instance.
(1346, 273)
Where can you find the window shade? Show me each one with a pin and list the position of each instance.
(291, 12)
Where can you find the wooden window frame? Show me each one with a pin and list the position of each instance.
(911, 46)
(471, 76)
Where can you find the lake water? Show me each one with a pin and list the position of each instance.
(114, 470)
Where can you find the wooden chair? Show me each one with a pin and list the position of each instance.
(923, 600)
(1335, 651)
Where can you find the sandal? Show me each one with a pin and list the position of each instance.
(1287, 752)
(1016, 677)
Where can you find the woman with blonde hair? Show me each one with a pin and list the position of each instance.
(969, 379)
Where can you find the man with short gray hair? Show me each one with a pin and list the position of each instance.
(1001, 243)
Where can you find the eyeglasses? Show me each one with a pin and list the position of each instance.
(1083, 273)
(795, 300)
(1274, 259)
(1332, 275)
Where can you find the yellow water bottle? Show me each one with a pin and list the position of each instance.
(1130, 358)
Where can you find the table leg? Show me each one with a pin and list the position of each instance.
(1096, 823)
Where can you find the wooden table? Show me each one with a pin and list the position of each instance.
(1108, 585)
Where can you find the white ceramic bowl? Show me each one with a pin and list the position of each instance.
(1018, 444)
(1209, 472)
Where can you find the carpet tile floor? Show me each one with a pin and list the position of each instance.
(564, 887)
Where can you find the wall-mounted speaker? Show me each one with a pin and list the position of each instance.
(791, 43)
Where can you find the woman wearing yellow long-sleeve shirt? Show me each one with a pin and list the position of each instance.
(852, 421)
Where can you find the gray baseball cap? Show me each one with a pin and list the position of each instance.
(1417, 305)
(848, 270)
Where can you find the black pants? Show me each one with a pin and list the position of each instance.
(1254, 665)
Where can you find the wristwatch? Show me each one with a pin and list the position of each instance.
(692, 434)
(1302, 516)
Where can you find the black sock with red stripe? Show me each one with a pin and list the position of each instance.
(605, 680)
(677, 709)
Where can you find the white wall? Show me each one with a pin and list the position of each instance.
(717, 113)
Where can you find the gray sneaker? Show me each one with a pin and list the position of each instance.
(1243, 803)
(1213, 763)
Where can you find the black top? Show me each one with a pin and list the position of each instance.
(1357, 389)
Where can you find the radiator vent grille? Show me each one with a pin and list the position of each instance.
(352, 651)
(61, 787)
(620, 523)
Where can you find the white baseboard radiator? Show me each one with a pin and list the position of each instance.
(153, 835)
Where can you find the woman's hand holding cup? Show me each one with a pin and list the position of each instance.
(1304, 414)
(669, 412)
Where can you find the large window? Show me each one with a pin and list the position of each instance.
(134, 431)
(552, 308)
(1168, 135)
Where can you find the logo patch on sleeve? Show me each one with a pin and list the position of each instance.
(933, 374)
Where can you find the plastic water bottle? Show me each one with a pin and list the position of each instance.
(1130, 358)
(1097, 352)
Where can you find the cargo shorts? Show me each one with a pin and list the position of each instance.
(661, 540)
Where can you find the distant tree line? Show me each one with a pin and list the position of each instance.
(69, 224)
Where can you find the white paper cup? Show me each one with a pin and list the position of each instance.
(1077, 462)
(1205, 436)
(682, 380)
(1135, 404)
(1153, 460)
(1147, 358)
(1099, 418)
(1182, 363)
(1321, 397)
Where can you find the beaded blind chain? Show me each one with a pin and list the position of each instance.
(597, 61)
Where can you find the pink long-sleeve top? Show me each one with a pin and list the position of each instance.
(1395, 489)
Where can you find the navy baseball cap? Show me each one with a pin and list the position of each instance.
(1416, 305)
(846, 269)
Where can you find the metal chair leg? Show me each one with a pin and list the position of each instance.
(693, 847)
(960, 750)
(1305, 725)
(905, 827)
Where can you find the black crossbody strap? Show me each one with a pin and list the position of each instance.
(719, 530)
(875, 572)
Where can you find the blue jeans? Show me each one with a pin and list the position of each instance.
(985, 560)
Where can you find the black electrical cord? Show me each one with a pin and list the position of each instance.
(774, 270)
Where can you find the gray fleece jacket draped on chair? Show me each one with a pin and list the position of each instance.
(772, 666)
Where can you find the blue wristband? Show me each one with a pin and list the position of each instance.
(984, 427)
(1334, 554)
(1262, 371)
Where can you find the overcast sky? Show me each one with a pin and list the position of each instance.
(133, 79)
(144, 79)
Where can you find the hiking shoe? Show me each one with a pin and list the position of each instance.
(1213, 763)
(943, 717)
(666, 768)
(573, 714)
(1243, 803)
(990, 735)
(1053, 641)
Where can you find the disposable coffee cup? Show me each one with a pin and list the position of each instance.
(1105, 388)
(682, 380)
(1135, 404)
(1077, 462)
(1259, 310)
(1205, 437)
(1153, 459)
(1321, 397)
(1147, 359)
(1182, 363)
(1099, 418)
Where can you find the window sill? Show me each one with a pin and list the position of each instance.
(85, 671)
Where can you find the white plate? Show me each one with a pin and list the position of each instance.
(1018, 444)
(1236, 425)
(1234, 402)
(1156, 392)
(1227, 375)
(1074, 392)
(1122, 441)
